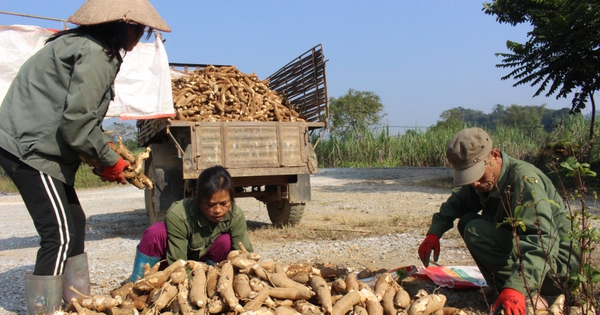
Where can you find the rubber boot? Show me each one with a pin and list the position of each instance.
(76, 275)
(43, 294)
(139, 262)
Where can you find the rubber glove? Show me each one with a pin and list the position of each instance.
(429, 244)
(115, 172)
(512, 301)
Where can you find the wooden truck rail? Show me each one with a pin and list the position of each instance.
(268, 160)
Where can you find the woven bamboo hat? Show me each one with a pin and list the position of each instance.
(102, 11)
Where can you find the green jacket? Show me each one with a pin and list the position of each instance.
(520, 184)
(54, 108)
(190, 234)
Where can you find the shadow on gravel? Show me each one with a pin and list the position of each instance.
(12, 298)
(394, 179)
(256, 225)
(19, 242)
(130, 224)
(366, 187)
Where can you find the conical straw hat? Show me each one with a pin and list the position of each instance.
(101, 11)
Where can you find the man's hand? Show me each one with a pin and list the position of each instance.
(431, 243)
(115, 172)
(512, 301)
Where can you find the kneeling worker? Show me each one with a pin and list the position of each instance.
(490, 185)
(205, 228)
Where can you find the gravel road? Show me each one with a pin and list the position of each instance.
(117, 218)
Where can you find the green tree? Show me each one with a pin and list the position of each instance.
(355, 112)
(526, 118)
(551, 118)
(126, 131)
(497, 116)
(459, 115)
(561, 55)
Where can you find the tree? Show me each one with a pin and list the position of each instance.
(562, 53)
(355, 112)
(530, 118)
(126, 131)
(459, 115)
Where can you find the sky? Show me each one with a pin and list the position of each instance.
(420, 57)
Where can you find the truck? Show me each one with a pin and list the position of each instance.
(268, 160)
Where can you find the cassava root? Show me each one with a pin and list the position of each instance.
(190, 287)
(132, 173)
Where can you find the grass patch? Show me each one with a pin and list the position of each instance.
(84, 178)
(7, 185)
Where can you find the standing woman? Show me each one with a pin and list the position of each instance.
(52, 113)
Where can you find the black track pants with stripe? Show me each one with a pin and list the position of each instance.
(56, 213)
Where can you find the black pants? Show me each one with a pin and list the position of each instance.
(56, 213)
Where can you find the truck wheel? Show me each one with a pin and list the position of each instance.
(285, 213)
(154, 214)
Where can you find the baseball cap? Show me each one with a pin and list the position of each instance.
(467, 152)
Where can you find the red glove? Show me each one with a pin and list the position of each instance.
(512, 301)
(429, 244)
(115, 172)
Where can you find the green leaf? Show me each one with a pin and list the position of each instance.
(566, 165)
(522, 225)
(519, 211)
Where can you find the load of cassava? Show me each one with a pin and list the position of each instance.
(243, 284)
(226, 94)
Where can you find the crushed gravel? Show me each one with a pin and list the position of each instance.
(116, 219)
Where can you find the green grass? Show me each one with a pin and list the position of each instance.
(84, 178)
(376, 148)
(413, 149)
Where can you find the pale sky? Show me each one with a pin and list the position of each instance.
(420, 57)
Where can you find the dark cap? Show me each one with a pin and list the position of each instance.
(467, 152)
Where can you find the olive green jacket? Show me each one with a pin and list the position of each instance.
(546, 224)
(54, 108)
(190, 234)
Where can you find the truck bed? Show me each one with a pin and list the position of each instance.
(302, 81)
(245, 148)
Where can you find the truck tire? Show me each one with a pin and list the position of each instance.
(285, 213)
(154, 214)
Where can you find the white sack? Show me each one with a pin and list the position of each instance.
(142, 86)
(17, 44)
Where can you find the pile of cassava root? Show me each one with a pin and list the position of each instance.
(226, 94)
(243, 284)
(132, 173)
